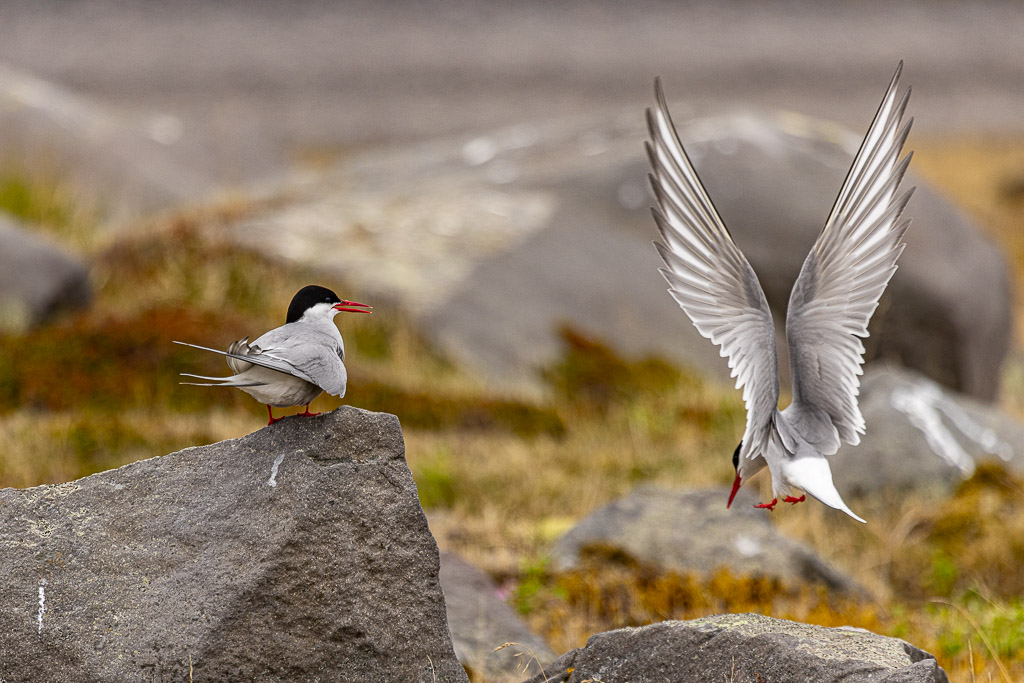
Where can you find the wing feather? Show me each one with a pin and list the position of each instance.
(845, 273)
(265, 360)
(709, 277)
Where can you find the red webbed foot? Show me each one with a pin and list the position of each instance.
(272, 418)
(793, 501)
(307, 413)
(769, 506)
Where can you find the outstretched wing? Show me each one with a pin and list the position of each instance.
(845, 274)
(710, 278)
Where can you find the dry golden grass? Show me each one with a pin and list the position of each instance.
(503, 477)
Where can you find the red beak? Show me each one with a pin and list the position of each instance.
(352, 307)
(735, 488)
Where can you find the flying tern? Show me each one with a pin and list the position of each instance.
(830, 304)
(291, 365)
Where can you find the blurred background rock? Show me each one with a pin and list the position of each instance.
(476, 171)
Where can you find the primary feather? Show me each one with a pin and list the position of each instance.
(836, 293)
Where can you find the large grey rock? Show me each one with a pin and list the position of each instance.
(125, 164)
(923, 437)
(299, 552)
(480, 622)
(37, 278)
(743, 648)
(692, 531)
(494, 242)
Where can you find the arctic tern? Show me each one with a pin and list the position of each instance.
(830, 304)
(293, 364)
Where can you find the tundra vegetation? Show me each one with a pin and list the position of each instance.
(503, 476)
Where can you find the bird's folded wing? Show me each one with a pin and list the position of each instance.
(316, 363)
(262, 358)
(846, 272)
(711, 279)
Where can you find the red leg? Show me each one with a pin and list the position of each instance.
(768, 506)
(307, 413)
(272, 418)
(794, 501)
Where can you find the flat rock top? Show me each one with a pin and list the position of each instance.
(743, 648)
(824, 643)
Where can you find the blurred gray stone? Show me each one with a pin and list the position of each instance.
(124, 165)
(37, 278)
(299, 552)
(693, 532)
(922, 437)
(493, 242)
(743, 648)
(480, 621)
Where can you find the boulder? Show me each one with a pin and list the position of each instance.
(494, 242)
(124, 162)
(37, 278)
(923, 437)
(481, 622)
(299, 552)
(744, 648)
(693, 532)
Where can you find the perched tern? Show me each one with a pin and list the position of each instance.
(832, 300)
(292, 364)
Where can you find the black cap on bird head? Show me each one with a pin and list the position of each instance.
(738, 480)
(307, 297)
(311, 295)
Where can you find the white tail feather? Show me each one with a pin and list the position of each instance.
(814, 476)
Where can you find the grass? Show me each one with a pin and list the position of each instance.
(503, 477)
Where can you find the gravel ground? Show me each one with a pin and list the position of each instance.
(263, 83)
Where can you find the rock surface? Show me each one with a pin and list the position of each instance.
(691, 531)
(37, 278)
(299, 552)
(117, 161)
(923, 437)
(743, 648)
(480, 622)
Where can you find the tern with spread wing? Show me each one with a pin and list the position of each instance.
(830, 305)
(292, 364)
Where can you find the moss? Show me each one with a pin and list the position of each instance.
(974, 539)
(591, 375)
(433, 411)
(436, 480)
(109, 364)
(614, 592)
(34, 202)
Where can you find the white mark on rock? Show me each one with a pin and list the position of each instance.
(165, 129)
(42, 604)
(925, 406)
(747, 546)
(479, 151)
(273, 470)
